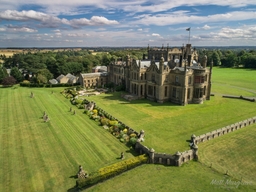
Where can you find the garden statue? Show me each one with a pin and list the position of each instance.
(141, 136)
(46, 118)
(122, 155)
(90, 106)
(81, 172)
(32, 95)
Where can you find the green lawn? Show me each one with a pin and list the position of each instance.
(168, 126)
(192, 176)
(234, 152)
(38, 156)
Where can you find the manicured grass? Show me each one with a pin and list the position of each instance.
(242, 79)
(192, 176)
(234, 152)
(38, 156)
(168, 126)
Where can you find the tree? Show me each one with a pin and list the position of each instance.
(41, 78)
(250, 61)
(229, 60)
(216, 58)
(8, 81)
(46, 73)
(3, 74)
(16, 74)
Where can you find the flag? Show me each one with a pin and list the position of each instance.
(188, 29)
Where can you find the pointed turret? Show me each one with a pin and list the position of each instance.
(161, 64)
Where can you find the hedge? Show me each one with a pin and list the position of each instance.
(111, 171)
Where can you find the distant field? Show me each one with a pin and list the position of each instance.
(234, 152)
(11, 52)
(38, 156)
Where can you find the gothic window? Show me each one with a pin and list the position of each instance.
(174, 92)
(153, 77)
(166, 79)
(189, 80)
(188, 95)
(165, 91)
(198, 92)
(176, 79)
(150, 90)
(199, 79)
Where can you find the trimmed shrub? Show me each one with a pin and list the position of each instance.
(112, 123)
(104, 121)
(111, 171)
(133, 135)
(133, 140)
(95, 111)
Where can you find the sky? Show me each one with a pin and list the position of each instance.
(119, 23)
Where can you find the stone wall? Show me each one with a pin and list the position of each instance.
(223, 130)
(167, 159)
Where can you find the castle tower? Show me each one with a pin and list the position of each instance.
(128, 60)
(161, 64)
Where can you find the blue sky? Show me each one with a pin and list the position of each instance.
(82, 23)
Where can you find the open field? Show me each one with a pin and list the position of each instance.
(38, 156)
(234, 152)
(168, 126)
(192, 176)
(11, 52)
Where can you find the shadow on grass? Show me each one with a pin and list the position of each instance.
(132, 151)
(117, 96)
(73, 189)
(73, 176)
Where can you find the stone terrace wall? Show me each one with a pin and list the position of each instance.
(224, 130)
(166, 159)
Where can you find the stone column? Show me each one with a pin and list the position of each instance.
(177, 159)
(152, 156)
(193, 137)
(195, 151)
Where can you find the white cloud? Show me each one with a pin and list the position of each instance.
(52, 21)
(155, 35)
(206, 27)
(172, 19)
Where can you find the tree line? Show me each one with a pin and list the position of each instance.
(43, 66)
(231, 58)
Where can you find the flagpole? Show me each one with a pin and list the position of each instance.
(189, 36)
(188, 29)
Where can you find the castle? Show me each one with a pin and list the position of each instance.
(167, 74)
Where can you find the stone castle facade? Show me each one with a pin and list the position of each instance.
(167, 74)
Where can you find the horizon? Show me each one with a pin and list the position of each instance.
(96, 23)
(142, 47)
